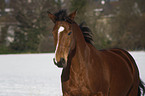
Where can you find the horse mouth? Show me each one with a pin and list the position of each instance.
(61, 63)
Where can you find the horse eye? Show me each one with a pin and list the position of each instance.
(69, 33)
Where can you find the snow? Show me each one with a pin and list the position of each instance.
(36, 75)
(139, 57)
(29, 75)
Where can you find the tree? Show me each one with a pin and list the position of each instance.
(2, 6)
(135, 34)
(141, 5)
(33, 24)
(2, 31)
(124, 25)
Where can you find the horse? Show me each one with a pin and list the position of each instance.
(88, 71)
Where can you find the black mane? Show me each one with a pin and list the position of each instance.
(87, 33)
(62, 15)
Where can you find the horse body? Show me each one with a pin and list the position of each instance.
(91, 72)
(98, 75)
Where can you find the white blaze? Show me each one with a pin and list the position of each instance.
(61, 29)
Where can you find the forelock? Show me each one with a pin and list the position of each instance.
(61, 15)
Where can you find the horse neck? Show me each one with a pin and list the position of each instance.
(81, 44)
(77, 55)
(82, 49)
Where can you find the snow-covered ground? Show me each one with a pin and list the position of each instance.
(36, 75)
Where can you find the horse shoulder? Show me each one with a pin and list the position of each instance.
(98, 71)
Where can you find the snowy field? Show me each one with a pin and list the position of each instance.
(36, 75)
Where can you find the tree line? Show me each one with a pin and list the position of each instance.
(120, 23)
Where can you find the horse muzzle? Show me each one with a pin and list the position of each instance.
(61, 63)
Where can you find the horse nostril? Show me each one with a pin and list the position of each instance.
(62, 60)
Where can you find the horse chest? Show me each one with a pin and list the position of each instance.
(76, 85)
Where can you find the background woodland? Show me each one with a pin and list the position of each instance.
(26, 28)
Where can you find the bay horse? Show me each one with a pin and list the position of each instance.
(88, 71)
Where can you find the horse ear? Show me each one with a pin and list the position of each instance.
(51, 16)
(72, 15)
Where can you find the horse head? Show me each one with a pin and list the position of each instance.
(63, 36)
